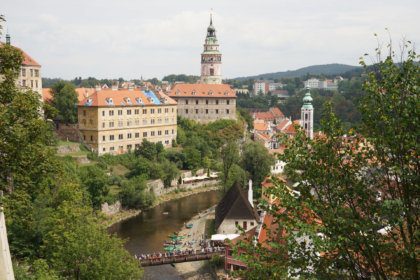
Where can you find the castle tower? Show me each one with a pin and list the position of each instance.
(307, 115)
(211, 58)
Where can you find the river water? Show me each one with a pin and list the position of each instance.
(146, 232)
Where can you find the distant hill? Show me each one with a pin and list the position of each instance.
(326, 69)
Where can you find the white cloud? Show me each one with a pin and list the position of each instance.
(154, 38)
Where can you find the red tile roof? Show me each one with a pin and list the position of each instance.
(27, 59)
(82, 93)
(271, 115)
(202, 90)
(283, 124)
(121, 98)
(261, 126)
(264, 116)
(276, 112)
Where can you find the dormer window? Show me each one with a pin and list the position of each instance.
(210, 92)
(193, 92)
(109, 101)
(225, 93)
(138, 100)
(177, 92)
(128, 101)
(89, 102)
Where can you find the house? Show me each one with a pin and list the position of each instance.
(235, 210)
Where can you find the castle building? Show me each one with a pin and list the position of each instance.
(211, 58)
(209, 100)
(30, 72)
(307, 115)
(116, 121)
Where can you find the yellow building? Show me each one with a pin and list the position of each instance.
(116, 121)
(30, 73)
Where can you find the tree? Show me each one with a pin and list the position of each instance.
(256, 161)
(355, 202)
(95, 181)
(147, 150)
(65, 101)
(135, 193)
(75, 245)
(51, 225)
(169, 172)
(230, 156)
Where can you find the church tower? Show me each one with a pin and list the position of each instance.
(211, 58)
(307, 115)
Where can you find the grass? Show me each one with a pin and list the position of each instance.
(114, 190)
(119, 170)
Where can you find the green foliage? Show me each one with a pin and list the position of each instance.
(169, 172)
(356, 197)
(65, 102)
(230, 157)
(135, 193)
(96, 182)
(52, 229)
(147, 150)
(257, 162)
(189, 79)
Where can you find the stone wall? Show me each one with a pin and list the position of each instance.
(111, 209)
(158, 188)
(68, 132)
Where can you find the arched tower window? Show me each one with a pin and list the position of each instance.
(211, 72)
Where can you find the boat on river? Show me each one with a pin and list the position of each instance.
(189, 225)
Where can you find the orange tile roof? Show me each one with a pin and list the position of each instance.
(46, 94)
(82, 93)
(283, 124)
(260, 126)
(27, 59)
(263, 137)
(121, 97)
(202, 90)
(264, 116)
(276, 112)
(290, 129)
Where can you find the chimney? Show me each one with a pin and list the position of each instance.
(98, 87)
(250, 194)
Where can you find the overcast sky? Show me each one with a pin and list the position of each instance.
(153, 38)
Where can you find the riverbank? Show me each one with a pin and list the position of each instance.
(127, 214)
(200, 269)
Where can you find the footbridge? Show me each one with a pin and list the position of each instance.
(187, 256)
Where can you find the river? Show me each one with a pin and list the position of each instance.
(146, 232)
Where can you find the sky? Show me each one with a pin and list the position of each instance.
(154, 38)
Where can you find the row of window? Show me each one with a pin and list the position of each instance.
(129, 147)
(128, 112)
(207, 102)
(135, 122)
(33, 83)
(131, 135)
(32, 72)
(216, 111)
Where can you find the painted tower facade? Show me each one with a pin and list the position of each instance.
(211, 58)
(307, 115)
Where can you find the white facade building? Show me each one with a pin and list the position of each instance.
(307, 115)
(211, 58)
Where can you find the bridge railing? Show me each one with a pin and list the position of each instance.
(160, 259)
